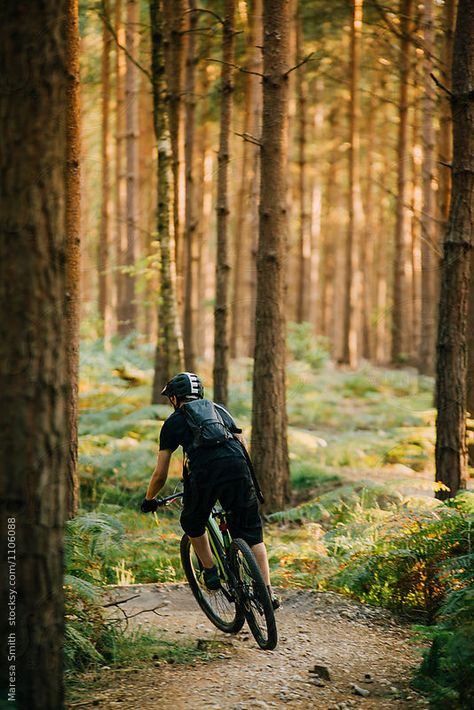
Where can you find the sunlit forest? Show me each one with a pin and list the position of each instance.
(277, 195)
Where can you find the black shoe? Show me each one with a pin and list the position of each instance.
(211, 579)
(275, 600)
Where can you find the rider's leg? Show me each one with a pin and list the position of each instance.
(202, 549)
(260, 552)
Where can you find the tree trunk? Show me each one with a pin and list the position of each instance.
(353, 285)
(399, 321)
(38, 235)
(104, 236)
(174, 14)
(168, 354)
(269, 418)
(73, 220)
(131, 119)
(189, 334)
(221, 310)
(429, 256)
(445, 134)
(416, 205)
(120, 171)
(455, 273)
(304, 242)
(246, 212)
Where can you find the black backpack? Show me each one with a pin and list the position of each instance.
(206, 424)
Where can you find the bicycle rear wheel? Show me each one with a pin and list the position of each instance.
(219, 606)
(254, 595)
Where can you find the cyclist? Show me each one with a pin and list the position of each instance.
(215, 473)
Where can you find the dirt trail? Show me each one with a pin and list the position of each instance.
(348, 638)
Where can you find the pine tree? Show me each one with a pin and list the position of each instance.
(269, 418)
(38, 236)
(455, 273)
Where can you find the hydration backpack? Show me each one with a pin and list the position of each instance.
(206, 424)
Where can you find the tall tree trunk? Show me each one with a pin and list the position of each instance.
(429, 257)
(445, 134)
(120, 170)
(269, 418)
(455, 273)
(169, 350)
(368, 239)
(189, 325)
(246, 211)
(304, 243)
(73, 261)
(399, 321)
(416, 206)
(174, 15)
(38, 236)
(104, 234)
(353, 285)
(131, 119)
(221, 311)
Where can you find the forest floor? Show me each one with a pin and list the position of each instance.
(368, 653)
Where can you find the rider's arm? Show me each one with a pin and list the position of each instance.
(160, 474)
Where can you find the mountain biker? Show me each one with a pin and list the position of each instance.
(214, 473)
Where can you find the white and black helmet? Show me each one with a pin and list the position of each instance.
(183, 385)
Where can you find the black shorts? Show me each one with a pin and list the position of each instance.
(228, 481)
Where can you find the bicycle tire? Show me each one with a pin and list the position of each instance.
(254, 597)
(220, 607)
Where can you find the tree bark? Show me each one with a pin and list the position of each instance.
(429, 256)
(458, 245)
(36, 242)
(221, 310)
(304, 240)
(353, 280)
(73, 261)
(174, 14)
(120, 171)
(399, 298)
(189, 325)
(269, 418)
(445, 135)
(128, 323)
(246, 211)
(104, 234)
(169, 349)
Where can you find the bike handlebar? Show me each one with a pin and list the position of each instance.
(168, 500)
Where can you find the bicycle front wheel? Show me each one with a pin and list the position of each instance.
(219, 606)
(253, 595)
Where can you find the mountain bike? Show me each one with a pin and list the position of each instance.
(243, 595)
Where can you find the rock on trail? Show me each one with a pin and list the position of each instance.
(333, 654)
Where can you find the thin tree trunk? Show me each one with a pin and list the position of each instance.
(174, 14)
(269, 418)
(429, 257)
(221, 311)
(458, 245)
(368, 238)
(470, 360)
(73, 268)
(38, 178)
(445, 134)
(169, 349)
(189, 325)
(399, 307)
(416, 205)
(104, 234)
(304, 243)
(246, 217)
(353, 285)
(120, 170)
(131, 119)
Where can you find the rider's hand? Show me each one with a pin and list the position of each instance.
(149, 506)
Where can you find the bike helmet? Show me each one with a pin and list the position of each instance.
(184, 385)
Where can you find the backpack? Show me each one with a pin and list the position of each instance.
(207, 426)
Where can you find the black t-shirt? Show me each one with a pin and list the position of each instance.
(176, 432)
